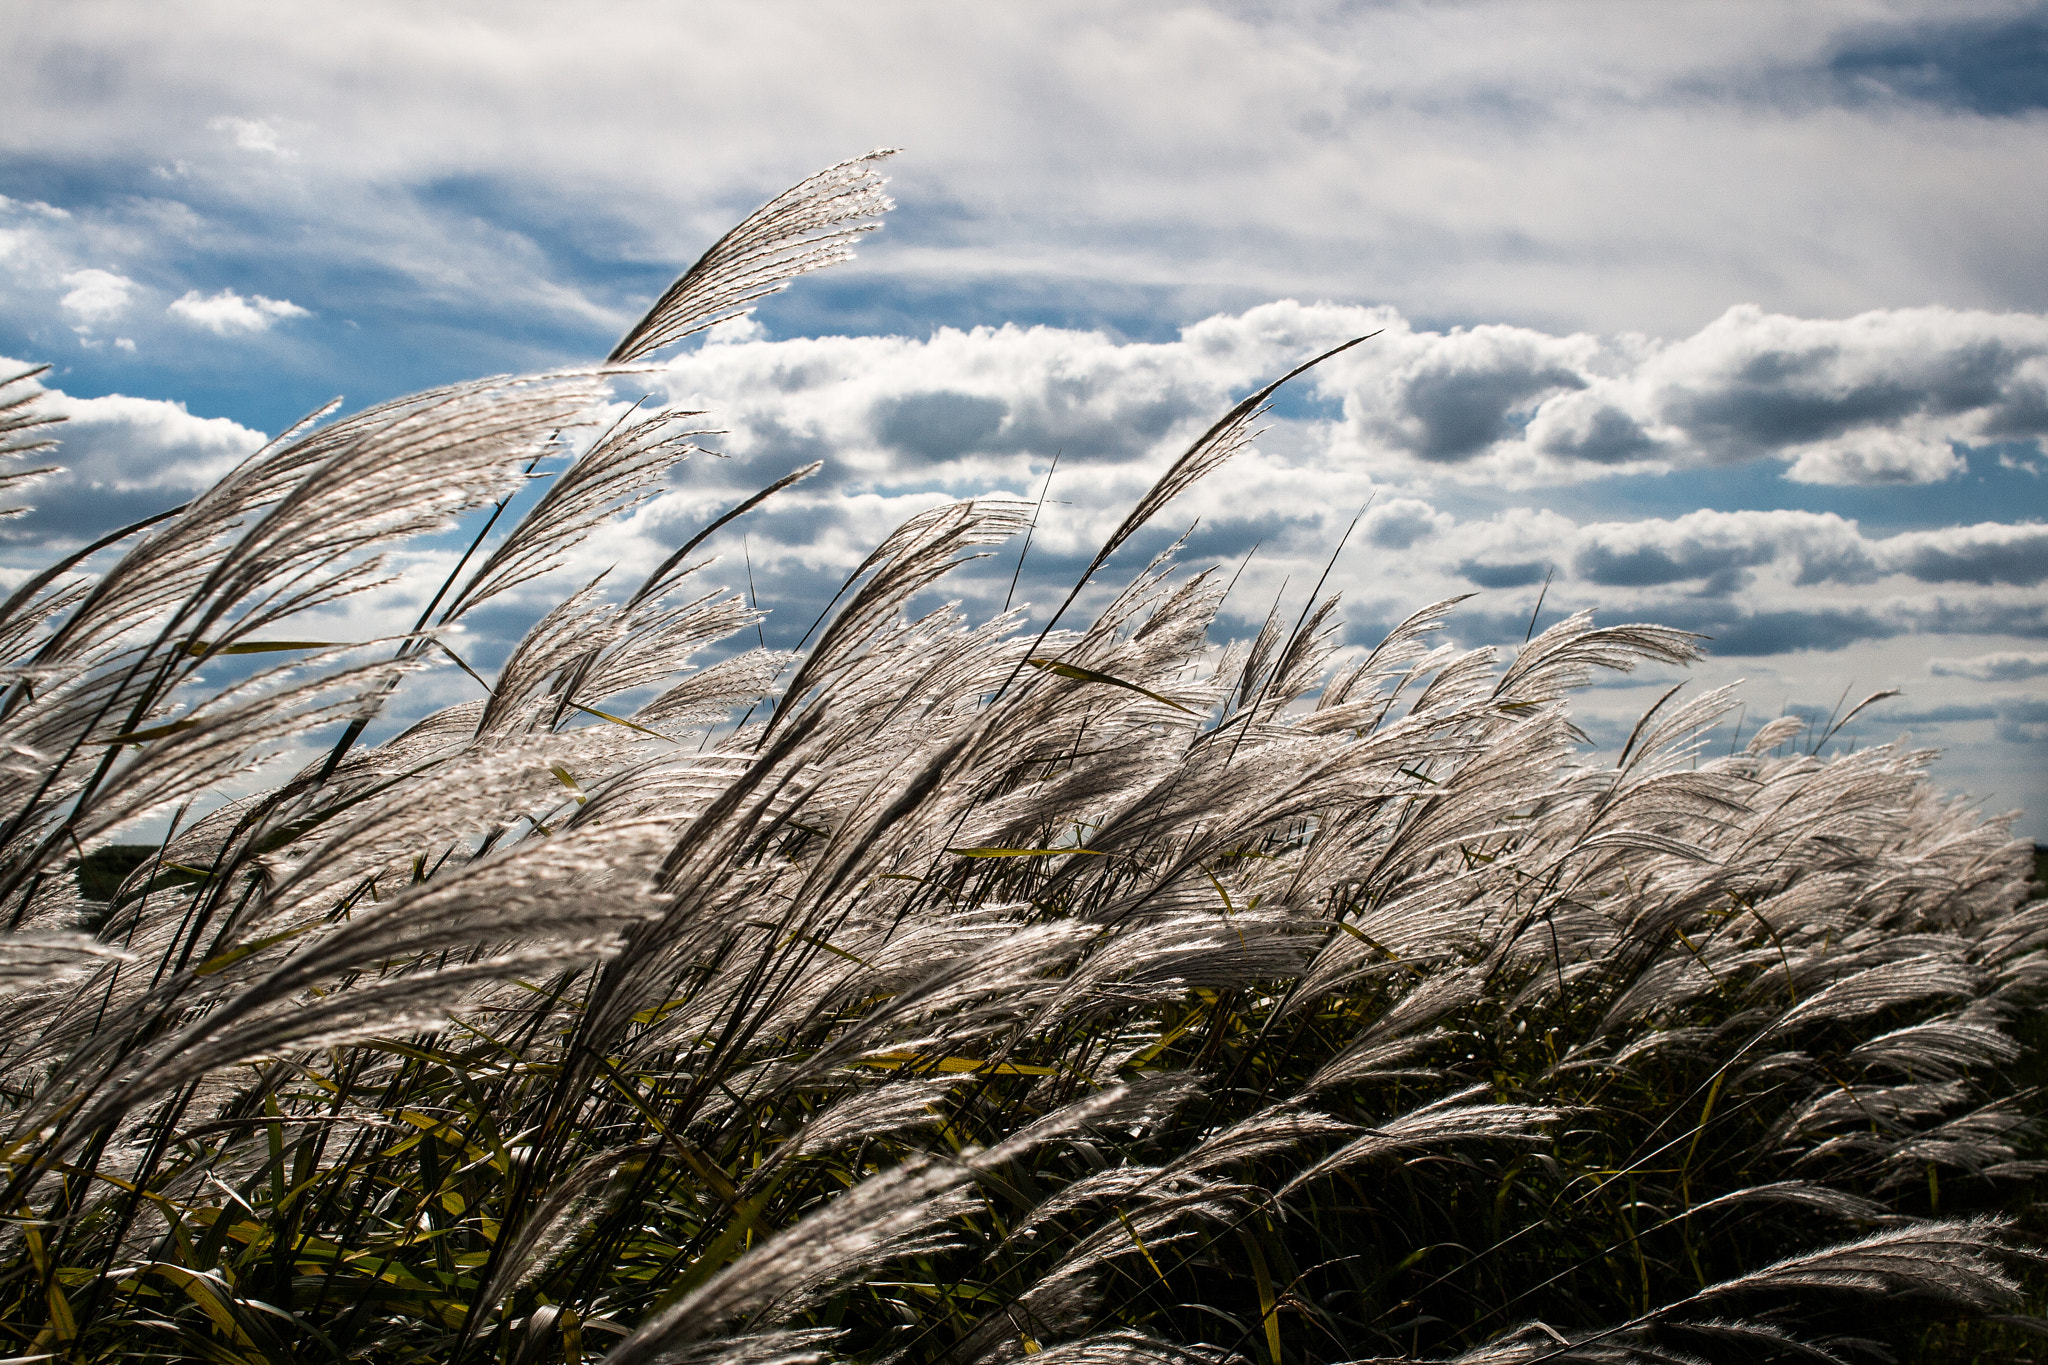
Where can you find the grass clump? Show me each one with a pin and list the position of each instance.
(1097, 996)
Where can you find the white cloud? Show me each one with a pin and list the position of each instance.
(121, 444)
(33, 207)
(1872, 398)
(1446, 398)
(2023, 720)
(252, 135)
(2002, 666)
(228, 313)
(1878, 398)
(1897, 456)
(96, 295)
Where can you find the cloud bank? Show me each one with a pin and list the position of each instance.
(1883, 397)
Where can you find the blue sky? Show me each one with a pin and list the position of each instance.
(1730, 316)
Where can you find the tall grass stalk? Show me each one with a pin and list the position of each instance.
(1101, 997)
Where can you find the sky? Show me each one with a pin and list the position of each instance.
(1728, 316)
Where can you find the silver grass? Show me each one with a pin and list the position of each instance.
(511, 897)
(21, 422)
(1942, 1049)
(1452, 1119)
(1131, 1348)
(887, 1109)
(1375, 1059)
(899, 1212)
(803, 1347)
(913, 557)
(622, 470)
(1025, 974)
(1232, 433)
(1173, 1215)
(1950, 1259)
(1137, 1104)
(29, 960)
(1882, 986)
(575, 1201)
(807, 227)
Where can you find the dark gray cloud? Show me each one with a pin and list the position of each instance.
(2022, 720)
(1461, 410)
(1778, 632)
(1734, 633)
(1448, 398)
(2002, 666)
(1642, 566)
(1398, 524)
(1599, 434)
(1883, 397)
(2026, 619)
(938, 425)
(1504, 575)
(1718, 551)
(1975, 554)
(1797, 395)
(1876, 398)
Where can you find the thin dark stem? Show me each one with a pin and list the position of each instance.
(1539, 605)
(1032, 529)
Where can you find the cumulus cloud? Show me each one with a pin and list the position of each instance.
(1716, 553)
(2001, 666)
(1902, 456)
(971, 411)
(1883, 397)
(1401, 522)
(1991, 552)
(1894, 714)
(1717, 550)
(1512, 574)
(228, 313)
(1447, 398)
(96, 295)
(1872, 398)
(901, 421)
(965, 409)
(1738, 631)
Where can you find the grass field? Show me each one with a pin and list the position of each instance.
(946, 992)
